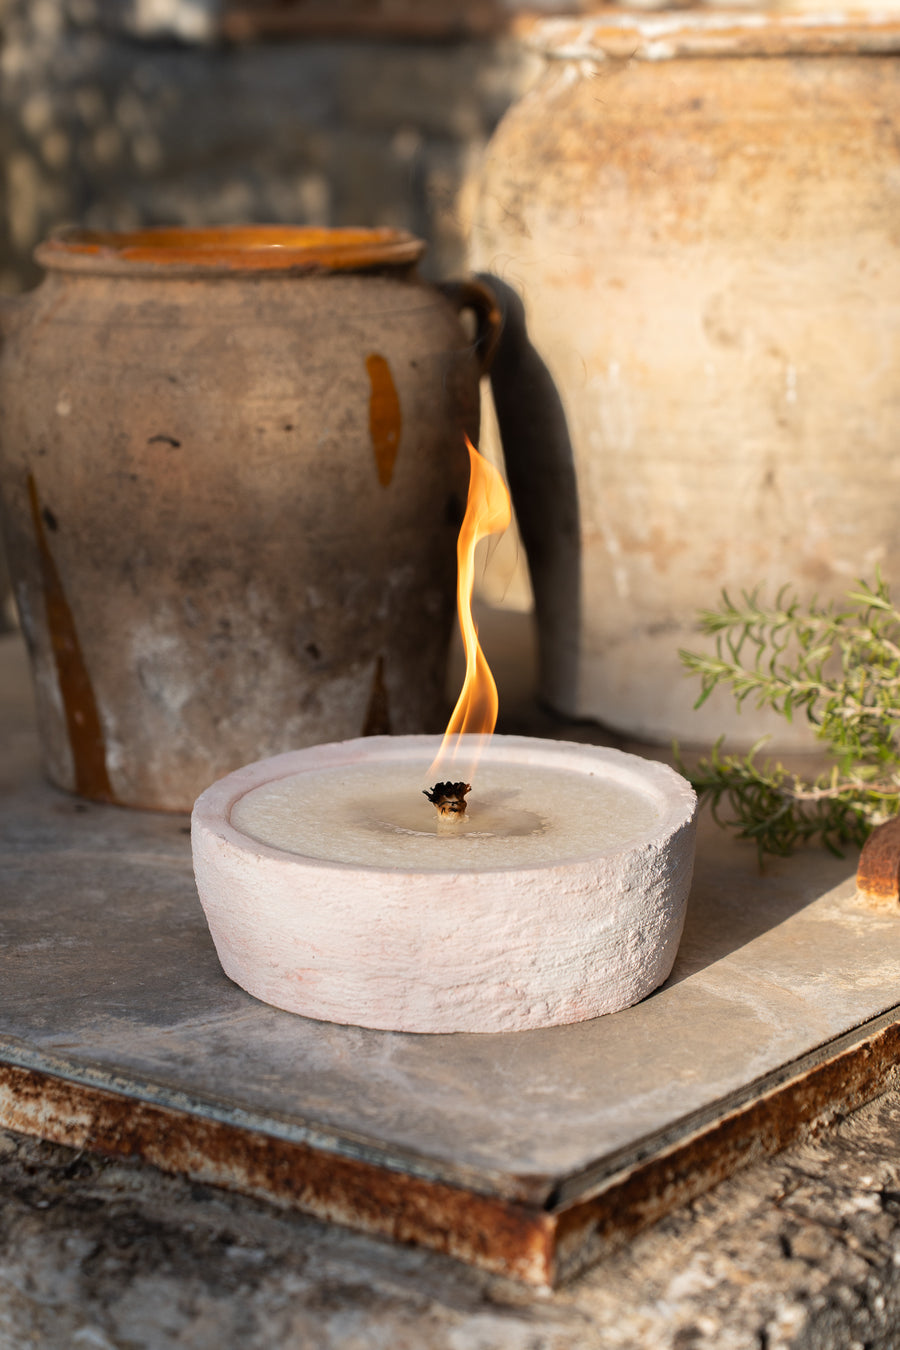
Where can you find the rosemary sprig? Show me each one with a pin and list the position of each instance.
(840, 668)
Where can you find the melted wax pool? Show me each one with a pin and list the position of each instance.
(374, 815)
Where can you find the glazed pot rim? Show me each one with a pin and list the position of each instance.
(228, 249)
(671, 34)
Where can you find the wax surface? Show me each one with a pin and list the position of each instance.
(375, 815)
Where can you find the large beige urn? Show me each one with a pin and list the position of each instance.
(233, 469)
(695, 220)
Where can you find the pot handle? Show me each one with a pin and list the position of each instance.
(480, 299)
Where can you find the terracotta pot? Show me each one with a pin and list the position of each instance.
(699, 213)
(233, 471)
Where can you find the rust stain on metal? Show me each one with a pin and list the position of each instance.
(588, 1229)
(378, 714)
(82, 716)
(482, 1230)
(385, 418)
(878, 873)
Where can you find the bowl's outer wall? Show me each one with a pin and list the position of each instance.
(437, 952)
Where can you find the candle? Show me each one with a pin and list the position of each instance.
(357, 882)
(332, 888)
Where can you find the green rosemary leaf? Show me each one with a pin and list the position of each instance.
(840, 668)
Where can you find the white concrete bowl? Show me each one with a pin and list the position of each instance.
(444, 948)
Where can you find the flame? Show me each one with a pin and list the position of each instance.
(487, 512)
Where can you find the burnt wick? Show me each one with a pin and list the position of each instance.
(448, 799)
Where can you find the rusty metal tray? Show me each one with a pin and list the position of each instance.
(528, 1153)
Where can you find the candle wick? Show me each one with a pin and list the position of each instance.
(448, 799)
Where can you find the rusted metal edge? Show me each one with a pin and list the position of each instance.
(529, 1189)
(537, 1244)
(804, 1097)
(878, 873)
(485, 1231)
